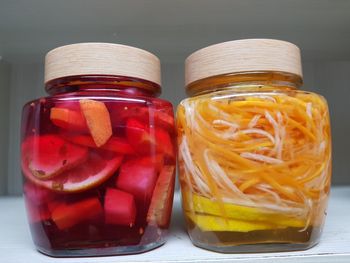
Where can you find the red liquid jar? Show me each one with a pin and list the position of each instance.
(98, 154)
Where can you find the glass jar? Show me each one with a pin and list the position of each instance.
(254, 150)
(98, 154)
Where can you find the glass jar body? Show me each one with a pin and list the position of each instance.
(254, 164)
(98, 164)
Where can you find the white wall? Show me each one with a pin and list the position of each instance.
(328, 78)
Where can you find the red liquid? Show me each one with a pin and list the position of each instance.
(113, 199)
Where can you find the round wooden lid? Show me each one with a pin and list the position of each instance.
(101, 59)
(243, 56)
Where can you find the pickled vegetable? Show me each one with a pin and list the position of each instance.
(252, 162)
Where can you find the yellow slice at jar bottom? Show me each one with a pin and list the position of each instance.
(215, 223)
(205, 205)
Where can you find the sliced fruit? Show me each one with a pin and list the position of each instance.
(159, 211)
(47, 156)
(96, 170)
(98, 120)
(205, 205)
(147, 140)
(68, 119)
(214, 223)
(138, 180)
(120, 208)
(115, 144)
(35, 212)
(68, 215)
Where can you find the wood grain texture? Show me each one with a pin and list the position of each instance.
(243, 56)
(16, 244)
(101, 59)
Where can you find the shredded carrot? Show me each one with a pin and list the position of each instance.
(269, 150)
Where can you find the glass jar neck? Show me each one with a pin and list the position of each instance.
(258, 81)
(103, 83)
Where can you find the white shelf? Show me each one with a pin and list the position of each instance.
(16, 245)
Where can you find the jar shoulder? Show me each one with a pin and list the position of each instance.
(268, 94)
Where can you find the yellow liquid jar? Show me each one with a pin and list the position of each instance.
(254, 149)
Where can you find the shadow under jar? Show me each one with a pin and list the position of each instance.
(98, 154)
(254, 150)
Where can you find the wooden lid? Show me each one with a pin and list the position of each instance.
(243, 56)
(101, 59)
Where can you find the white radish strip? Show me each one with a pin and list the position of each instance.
(261, 158)
(322, 148)
(275, 128)
(267, 98)
(274, 195)
(282, 134)
(226, 123)
(309, 109)
(254, 121)
(186, 155)
(218, 111)
(259, 131)
(217, 172)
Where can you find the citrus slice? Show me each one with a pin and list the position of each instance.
(68, 119)
(47, 156)
(205, 205)
(159, 211)
(214, 223)
(97, 119)
(96, 170)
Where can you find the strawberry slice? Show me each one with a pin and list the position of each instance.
(97, 169)
(68, 215)
(47, 156)
(137, 179)
(147, 140)
(159, 211)
(97, 119)
(114, 144)
(68, 119)
(120, 208)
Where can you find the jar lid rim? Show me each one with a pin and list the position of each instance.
(243, 55)
(102, 58)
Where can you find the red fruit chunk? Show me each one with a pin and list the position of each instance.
(47, 156)
(68, 215)
(147, 140)
(37, 195)
(36, 213)
(68, 119)
(138, 180)
(120, 208)
(96, 170)
(156, 117)
(156, 160)
(114, 144)
(159, 211)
